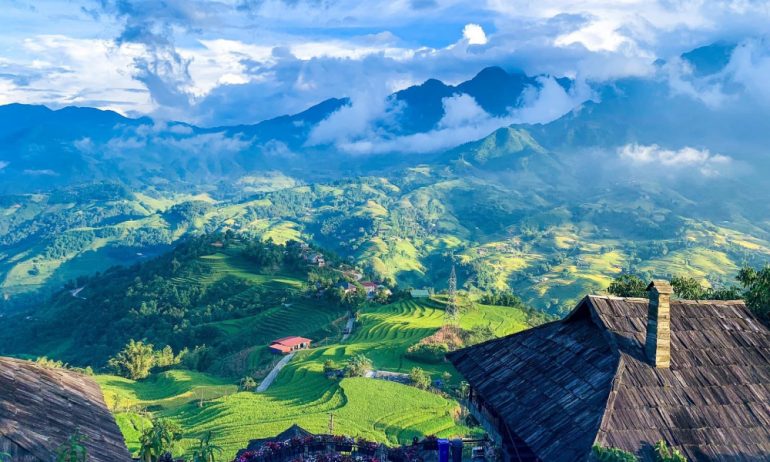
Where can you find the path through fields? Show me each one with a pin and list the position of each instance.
(348, 328)
(274, 373)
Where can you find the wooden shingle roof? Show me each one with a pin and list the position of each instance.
(41, 407)
(564, 386)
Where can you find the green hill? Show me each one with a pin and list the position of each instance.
(379, 410)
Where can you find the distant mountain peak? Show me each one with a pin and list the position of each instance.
(709, 59)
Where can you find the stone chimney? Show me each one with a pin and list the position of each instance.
(658, 343)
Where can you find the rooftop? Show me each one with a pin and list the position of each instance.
(561, 387)
(41, 407)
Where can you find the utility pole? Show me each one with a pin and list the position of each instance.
(451, 306)
(331, 423)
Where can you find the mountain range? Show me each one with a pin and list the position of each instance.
(548, 186)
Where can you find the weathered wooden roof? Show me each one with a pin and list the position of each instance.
(566, 385)
(41, 407)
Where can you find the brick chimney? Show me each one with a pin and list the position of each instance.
(658, 343)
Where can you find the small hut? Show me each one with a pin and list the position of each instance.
(41, 407)
(290, 344)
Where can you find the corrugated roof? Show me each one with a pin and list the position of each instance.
(41, 407)
(563, 386)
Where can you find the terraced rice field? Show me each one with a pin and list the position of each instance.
(375, 409)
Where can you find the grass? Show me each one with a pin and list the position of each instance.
(378, 410)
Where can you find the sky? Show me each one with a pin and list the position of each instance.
(219, 62)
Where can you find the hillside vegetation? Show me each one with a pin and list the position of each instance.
(375, 409)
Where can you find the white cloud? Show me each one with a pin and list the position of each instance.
(474, 34)
(3, 164)
(749, 66)
(215, 62)
(362, 127)
(41, 172)
(686, 159)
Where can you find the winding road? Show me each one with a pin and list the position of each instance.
(274, 373)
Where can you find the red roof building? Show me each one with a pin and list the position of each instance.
(286, 345)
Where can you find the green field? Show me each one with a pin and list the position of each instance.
(375, 409)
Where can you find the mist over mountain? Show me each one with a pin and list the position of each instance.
(647, 160)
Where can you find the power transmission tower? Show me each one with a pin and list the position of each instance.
(451, 306)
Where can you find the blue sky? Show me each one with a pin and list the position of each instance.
(217, 62)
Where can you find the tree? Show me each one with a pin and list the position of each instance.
(358, 366)
(420, 378)
(756, 284)
(206, 451)
(166, 358)
(135, 361)
(248, 384)
(688, 288)
(158, 440)
(628, 285)
(73, 450)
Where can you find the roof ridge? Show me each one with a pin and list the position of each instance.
(609, 405)
(673, 300)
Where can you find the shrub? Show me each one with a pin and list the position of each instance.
(73, 449)
(206, 451)
(431, 353)
(613, 455)
(358, 366)
(248, 384)
(420, 378)
(157, 442)
(663, 453)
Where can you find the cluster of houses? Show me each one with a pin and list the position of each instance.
(370, 288)
(311, 256)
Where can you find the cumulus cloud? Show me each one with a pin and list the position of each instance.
(214, 62)
(686, 159)
(474, 34)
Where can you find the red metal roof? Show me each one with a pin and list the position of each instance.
(281, 348)
(290, 341)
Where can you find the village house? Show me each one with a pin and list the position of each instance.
(41, 407)
(627, 373)
(370, 288)
(287, 345)
(419, 293)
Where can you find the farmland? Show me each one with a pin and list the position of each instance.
(383, 411)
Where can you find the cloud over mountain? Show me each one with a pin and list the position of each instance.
(215, 63)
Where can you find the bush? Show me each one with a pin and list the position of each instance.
(73, 450)
(248, 384)
(665, 454)
(613, 455)
(431, 353)
(420, 378)
(358, 366)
